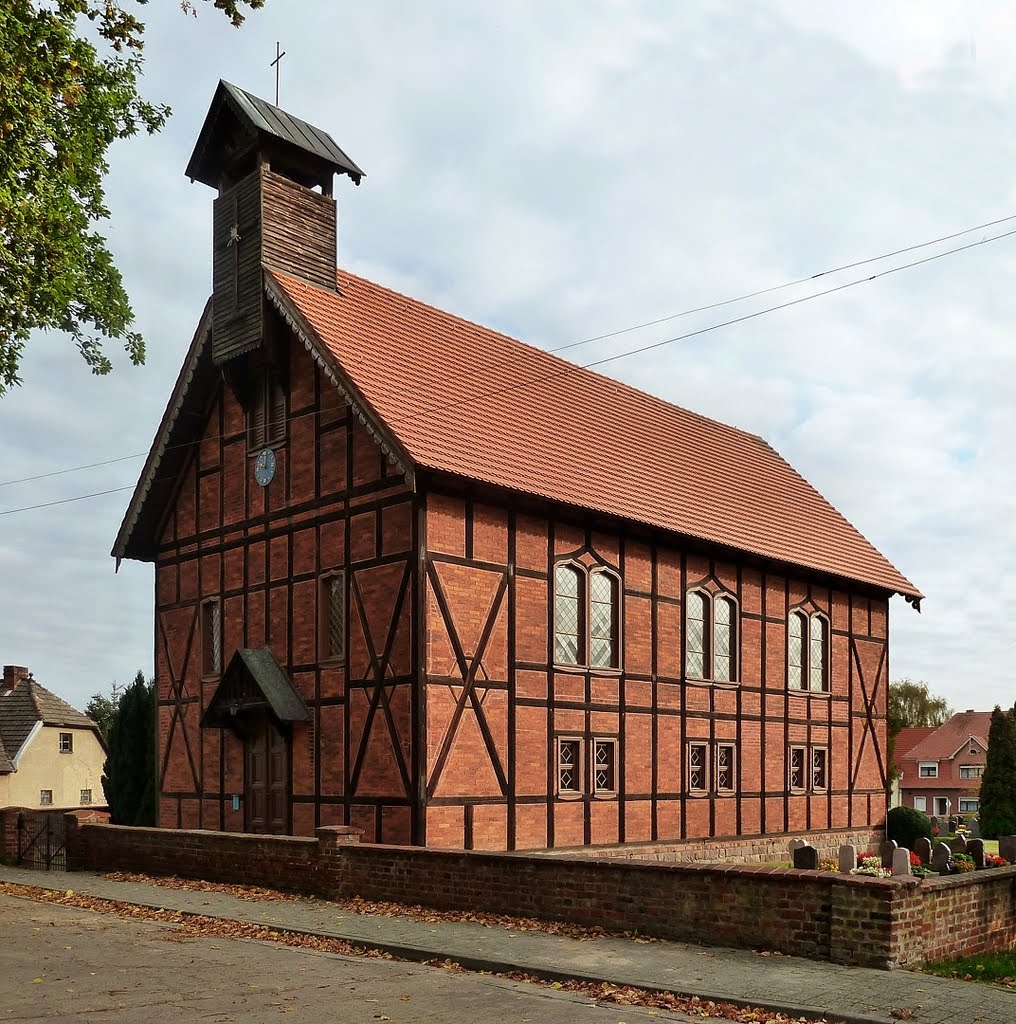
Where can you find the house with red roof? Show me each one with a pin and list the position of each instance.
(940, 769)
(418, 577)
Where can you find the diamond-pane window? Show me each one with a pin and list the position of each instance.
(695, 644)
(817, 659)
(697, 767)
(568, 615)
(211, 637)
(602, 619)
(724, 767)
(334, 598)
(568, 766)
(796, 770)
(723, 639)
(604, 758)
(819, 766)
(795, 652)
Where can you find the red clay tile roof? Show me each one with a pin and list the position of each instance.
(947, 739)
(907, 739)
(466, 400)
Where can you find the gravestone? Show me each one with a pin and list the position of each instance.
(935, 823)
(806, 857)
(923, 849)
(848, 858)
(975, 847)
(887, 851)
(940, 858)
(958, 845)
(901, 862)
(1007, 848)
(953, 822)
(795, 844)
(974, 829)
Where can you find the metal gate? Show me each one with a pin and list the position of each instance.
(42, 840)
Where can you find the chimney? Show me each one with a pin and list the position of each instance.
(273, 173)
(13, 674)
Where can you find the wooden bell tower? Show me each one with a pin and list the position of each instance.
(273, 173)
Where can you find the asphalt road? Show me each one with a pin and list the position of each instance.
(65, 964)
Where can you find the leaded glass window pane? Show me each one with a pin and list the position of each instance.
(723, 639)
(211, 638)
(796, 771)
(567, 615)
(818, 653)
(603, 766)
(818, 768)
(697, 767)
(336, 616)
(568, 767)
(695, 642)
(602, 621)
(724, 767)
(795, 652)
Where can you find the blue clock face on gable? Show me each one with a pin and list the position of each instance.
(264, 467)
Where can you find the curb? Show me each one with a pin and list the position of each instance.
(421, 954)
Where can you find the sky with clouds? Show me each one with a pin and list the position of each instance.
(563, 170)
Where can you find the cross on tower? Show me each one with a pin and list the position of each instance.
(279, 54)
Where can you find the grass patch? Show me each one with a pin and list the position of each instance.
(994, 967)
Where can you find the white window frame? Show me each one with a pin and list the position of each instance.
(571, 792)
(965, 800)
(971, 771)
(85, 797)
(921, 804)
(927, 770)
(66, 743)
(604, 743)
(703, 768)
(807, 620)
(709, 629)
(45, 798)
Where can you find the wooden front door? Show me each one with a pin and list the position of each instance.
(267, 798)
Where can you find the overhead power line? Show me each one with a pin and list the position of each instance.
(570, 368)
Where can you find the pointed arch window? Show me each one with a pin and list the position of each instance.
(586, 617)
(710, 649)
(808, 652)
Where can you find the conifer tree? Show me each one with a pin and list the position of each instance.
(129, 774)
(997, 810)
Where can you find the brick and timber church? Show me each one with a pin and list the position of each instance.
(417, 577)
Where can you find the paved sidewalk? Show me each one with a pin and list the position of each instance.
(782, 983)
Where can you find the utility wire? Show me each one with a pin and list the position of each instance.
(572, 368)
(64, 501)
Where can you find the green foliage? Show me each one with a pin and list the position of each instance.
(906, 825)
(69, 74)
(129, 774)
(910, 705)
(101, 710)
(998, 784)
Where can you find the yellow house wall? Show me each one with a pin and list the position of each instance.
(42, 766)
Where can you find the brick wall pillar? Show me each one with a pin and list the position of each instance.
(329, 869)
(75, 838)
(9, 834)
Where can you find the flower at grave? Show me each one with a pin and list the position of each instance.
(991, 861)
(867, 855)
(963, 862)
(935, 830)
(871, 864)
(915, 861)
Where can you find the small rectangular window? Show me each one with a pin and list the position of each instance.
(86, 797)
(45, 797)
(796, 771)
(920, 803)
(971, 771)
(819, 768)
(569, 767)
(66, 742)
(333, 617)
(969, 806)
(928, 770)
(605, 767)
(698, 768)
(211, 637)
(724, 773)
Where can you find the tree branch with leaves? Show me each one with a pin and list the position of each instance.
(69, 89)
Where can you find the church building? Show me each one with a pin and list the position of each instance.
(417, 577)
